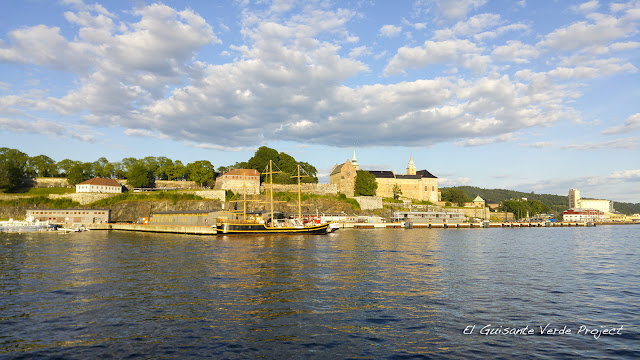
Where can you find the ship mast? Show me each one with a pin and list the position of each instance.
(300, 192)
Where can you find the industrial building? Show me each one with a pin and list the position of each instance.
(71, 216)
(186, 217)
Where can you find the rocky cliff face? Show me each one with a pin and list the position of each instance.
(132, 211)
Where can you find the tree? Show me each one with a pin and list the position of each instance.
(79, 172)
(165, 167)
(396, 192)
(202, 172)
(139, 176)
(282, 162)
(64, 166)
(119, 171)
(454, 195)
(14, 169)
(43, 166)
(179, 171)
(365, 184)
(103, 168)
(127, 164)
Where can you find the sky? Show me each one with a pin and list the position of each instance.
(536, 96)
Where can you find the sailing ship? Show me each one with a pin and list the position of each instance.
(273, 222)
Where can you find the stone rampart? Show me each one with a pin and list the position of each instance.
(50, 182)
(318, 189)
(171, 184)
(369, 202)
(207, 194)
(82, 198)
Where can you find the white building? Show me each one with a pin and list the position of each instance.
(99, 185)
(575, 202)
(583, 215)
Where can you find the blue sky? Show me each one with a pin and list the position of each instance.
(535, 96)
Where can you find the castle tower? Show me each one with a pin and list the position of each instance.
(411, 167)
(354, 161)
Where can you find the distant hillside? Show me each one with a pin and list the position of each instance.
(556, 203)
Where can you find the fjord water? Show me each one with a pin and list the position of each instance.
(351, 294)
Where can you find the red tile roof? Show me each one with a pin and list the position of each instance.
(100, 182)
(240, 172)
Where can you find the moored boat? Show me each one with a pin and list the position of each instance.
(270, 224)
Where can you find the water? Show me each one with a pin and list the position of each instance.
(398, 294)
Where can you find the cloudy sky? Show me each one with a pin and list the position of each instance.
(527, 95)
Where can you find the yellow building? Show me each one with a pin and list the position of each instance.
(344, 176)
(417, 185)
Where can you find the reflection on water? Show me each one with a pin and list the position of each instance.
(354, 293)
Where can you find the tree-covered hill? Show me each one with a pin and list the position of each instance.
(557, 203)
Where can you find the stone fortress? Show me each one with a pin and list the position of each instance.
(416, 185)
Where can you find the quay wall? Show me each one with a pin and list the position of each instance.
(175, 229)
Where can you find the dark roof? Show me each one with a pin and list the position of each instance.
(425, 174)
(417, 177)
(337, 169)
(382, 174)
(101, 182)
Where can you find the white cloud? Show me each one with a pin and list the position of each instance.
(390, 30)
(486, 141)
(471, 26)
(458, 9)
(515, 51)
(632, 143)
(600, 31)
(633, 175)
(593, 69)
(359, 51)
(586, 7)
(286, 80)
(501, 31)
(539, 144)
(48, 128)
(631, 124)
(461, 52)
(449, 182)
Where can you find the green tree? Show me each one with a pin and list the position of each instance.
(127, 164)
(179, 171)
(14, 169)
(165, 167)
(396, 192)
(43, 166)
(119, 171)
(139, 176)
(64, 166)
(282, 162)
(365, 184)
(103, 168)
(79, 172)
(151, 163)
(455, 195)
(202, 172)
